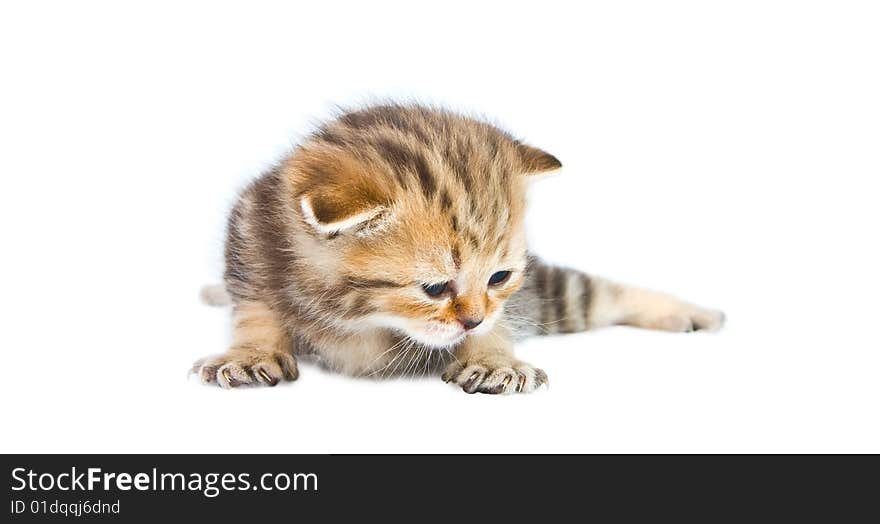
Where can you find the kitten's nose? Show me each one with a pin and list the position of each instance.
(470, 323)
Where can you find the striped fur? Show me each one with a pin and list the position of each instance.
(328, 255)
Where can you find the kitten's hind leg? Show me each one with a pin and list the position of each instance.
(260, 353)
(561, 300)
(614, 303)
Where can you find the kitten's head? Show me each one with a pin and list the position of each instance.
(418, 214)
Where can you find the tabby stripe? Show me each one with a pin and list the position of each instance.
(586, 299)
(445, 200)
(558, 293)
(539, 278)
(402, 157)
(376, 283)
(360, 305)
(269, 229)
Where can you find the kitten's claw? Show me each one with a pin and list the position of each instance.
(474, 381)
(495, 376)
(266, 378)
(247, 368)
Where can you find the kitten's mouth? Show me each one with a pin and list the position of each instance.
(441, 336)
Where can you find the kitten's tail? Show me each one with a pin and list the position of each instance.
(215, 295)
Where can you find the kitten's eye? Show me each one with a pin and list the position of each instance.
(435, 290)
(498, 277)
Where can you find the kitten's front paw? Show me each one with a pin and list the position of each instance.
(495, 376)
(259, 369)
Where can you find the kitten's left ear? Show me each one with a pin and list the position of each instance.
(537, 162)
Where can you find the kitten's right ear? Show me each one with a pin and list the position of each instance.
(340, 193)
(334, 213)
(537, 162)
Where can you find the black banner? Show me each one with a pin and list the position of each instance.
(144, 488)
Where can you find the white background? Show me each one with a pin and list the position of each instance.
(725, 152)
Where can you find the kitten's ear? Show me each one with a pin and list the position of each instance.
(340, 193)
(537, 162)
(331, 213)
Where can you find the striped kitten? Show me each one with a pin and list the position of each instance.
(391, 242)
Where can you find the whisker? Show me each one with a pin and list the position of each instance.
(392, 348)
(407, 349)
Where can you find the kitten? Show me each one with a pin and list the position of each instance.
(391, 242)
